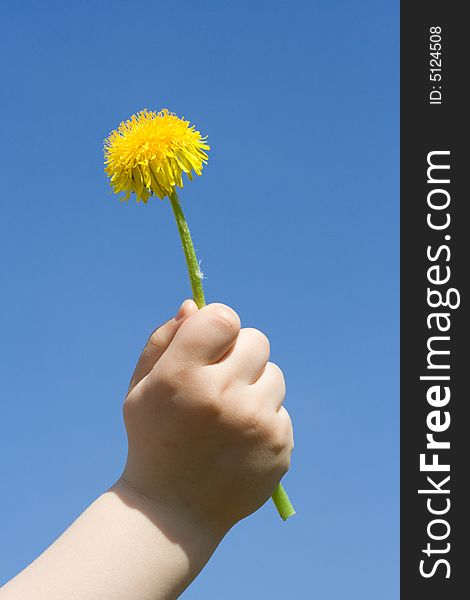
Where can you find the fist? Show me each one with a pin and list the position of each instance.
(208, 435)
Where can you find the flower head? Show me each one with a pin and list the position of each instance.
(148, 153)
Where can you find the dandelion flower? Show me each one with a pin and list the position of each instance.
(148, 153)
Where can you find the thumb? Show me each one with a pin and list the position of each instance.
(159, 341)
(205, 337)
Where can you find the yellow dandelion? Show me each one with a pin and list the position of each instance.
(148, 153)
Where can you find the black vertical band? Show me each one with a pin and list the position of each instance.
(435, 270)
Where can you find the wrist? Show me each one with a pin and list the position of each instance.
(197, 535)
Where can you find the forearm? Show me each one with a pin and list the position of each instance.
(123, 547)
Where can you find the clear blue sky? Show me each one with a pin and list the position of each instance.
(295, 220)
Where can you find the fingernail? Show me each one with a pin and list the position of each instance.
(180, 314)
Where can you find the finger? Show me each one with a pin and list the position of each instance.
(286, 426)
(248, 356)
(206, 336)
(271, 387)
(159, 341)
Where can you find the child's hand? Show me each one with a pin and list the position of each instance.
(208, 436)
(208, 442)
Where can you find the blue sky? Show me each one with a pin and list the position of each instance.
(295, 220)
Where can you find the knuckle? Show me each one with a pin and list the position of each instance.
(225, 318)
(280, 442)
(204, 386)
(169, 377)
(253, 423)
(286, 429)
(155, 339)
(211, 405)
(193, 387)
(277, 374)
(258, 339)
(281, 447)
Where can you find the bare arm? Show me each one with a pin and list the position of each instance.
(122, 547)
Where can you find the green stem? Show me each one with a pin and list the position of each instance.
(280, 498)
(195, 274)
(282, 502)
